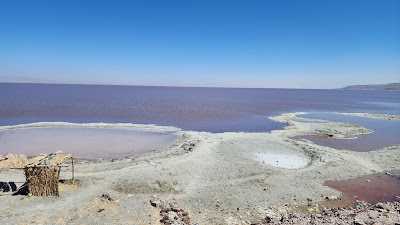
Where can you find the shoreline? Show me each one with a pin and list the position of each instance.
(213, 176)
(89, 125)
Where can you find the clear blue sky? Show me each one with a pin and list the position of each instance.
(300, 44)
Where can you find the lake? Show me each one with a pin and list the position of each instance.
(200, 109)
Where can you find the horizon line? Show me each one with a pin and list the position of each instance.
(177, 86)
(165, 86)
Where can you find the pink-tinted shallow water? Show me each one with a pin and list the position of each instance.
(91, 143)
(373, 188)
(386, 133)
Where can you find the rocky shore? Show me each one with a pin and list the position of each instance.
(362, 214)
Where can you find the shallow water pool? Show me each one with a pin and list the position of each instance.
(386, 132)
(91, 143)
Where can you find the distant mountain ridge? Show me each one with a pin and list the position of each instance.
(391, 86)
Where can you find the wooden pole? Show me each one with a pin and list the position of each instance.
(73, 171)
(59, 170)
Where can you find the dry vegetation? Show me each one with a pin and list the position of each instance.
(43, 181)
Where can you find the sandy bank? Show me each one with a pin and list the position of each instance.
(215, 178)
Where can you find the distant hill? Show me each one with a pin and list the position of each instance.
(391, 86)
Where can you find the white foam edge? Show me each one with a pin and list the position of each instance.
(152, 127)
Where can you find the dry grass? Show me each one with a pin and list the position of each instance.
(68, 185)
(12, 160)
(57, 159)
(20, 161)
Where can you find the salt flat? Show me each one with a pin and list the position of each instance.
(216, 178)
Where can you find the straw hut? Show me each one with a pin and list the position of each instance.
(42, 180)
(43, 174)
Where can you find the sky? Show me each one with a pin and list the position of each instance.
(269, 43)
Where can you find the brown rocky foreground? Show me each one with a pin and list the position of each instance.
(361, 214)
(379, 214)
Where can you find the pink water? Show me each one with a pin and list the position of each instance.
(92, 143)
(373, 188)
(202, 109)
(386, 133)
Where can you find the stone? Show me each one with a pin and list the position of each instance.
(155, 202)
(106, 197)
(186, 220)
(165, 210)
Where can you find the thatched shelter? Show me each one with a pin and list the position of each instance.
(42, 172)
(42, 180)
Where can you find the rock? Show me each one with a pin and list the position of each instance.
(175, 209)
(155, 202)
(358, 222)
(186, 220)
(309, 200)
(389, 221)
(100, 210)
(369, 214)
(383, 206)
(107, 197)
(165, 210)
(170, 213)
(331, 198)
(164, 219)
(268, 219)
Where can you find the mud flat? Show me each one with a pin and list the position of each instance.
(215, 178)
